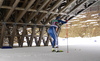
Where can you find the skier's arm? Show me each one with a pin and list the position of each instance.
(63, 22)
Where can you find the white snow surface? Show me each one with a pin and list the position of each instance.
(80, 49)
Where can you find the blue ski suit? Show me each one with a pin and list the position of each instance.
(52, 31)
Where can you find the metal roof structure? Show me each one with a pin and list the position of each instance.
(16, 14)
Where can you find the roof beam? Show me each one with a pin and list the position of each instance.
(49, 19)
(11, 2)
(36, 4)
(60, 11)
(25, 2)
(27, 7)
(28, 24)
(47, 4)
(85, 8)
(64, 8)
(76, 6)
(10, 12)
(33, 10)
(1, 1)
(32, 15)
(54, 6)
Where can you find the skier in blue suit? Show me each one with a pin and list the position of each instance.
(53, 33)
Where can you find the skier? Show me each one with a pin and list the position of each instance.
(53, 33)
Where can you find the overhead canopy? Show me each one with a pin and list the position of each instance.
(41, 11)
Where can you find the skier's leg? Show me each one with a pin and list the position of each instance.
(55, 37)
(51, 33)
(56, 41)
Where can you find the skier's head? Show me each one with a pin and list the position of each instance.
(57, 18)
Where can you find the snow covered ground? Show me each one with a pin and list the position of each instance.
(80, 41)
(80, 49)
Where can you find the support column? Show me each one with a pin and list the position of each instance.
(27, 38)
(23, 35)
(2, 34)
(32, 35)
(9, 37)
(51, 40)
(41, 35)
(36, 41)
(13, 35)
(46, 42)
(28, 41)
(19, 38)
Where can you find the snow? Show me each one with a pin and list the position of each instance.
(87, 21)
(93, 22)
(80, 49)
(80, 41)
(95, 14)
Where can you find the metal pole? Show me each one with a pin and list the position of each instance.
(67, 37)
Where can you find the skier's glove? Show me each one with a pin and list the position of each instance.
(66, 20)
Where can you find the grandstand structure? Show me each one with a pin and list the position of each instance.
(17, 16)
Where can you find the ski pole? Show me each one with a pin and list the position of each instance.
(67, 37)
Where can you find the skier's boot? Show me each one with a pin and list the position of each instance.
(53, 50)
(59, 51)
